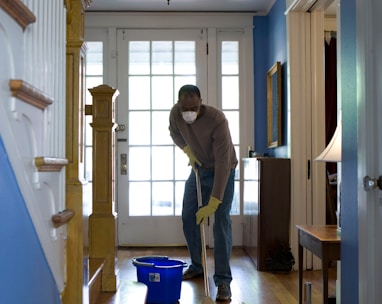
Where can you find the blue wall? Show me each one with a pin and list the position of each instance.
(270, 46)
(349, 210)
(260, 49)
(25, 274)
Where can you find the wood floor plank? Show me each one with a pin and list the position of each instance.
(249, 286)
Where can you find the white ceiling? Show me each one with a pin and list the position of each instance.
(258, 7)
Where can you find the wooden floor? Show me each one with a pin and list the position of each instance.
(249, 286)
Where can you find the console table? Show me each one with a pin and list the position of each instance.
(324, 242)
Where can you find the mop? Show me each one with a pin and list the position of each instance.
(207, 299)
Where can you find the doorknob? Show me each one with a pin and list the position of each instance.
(372, 183)
(120, 128)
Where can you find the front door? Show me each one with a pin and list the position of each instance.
(151, 170)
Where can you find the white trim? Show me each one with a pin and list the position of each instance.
(308, 5)
(246, 105)
(299, 98)
(167, 20)
(318, 174)
(318, 169)
(306, 85)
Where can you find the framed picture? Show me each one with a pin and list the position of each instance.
(274, 105)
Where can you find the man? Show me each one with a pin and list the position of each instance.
(202, 132)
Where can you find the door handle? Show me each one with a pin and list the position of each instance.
(120, 128)
(123, 167)
(372, 183)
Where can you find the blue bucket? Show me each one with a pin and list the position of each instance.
(163, 277)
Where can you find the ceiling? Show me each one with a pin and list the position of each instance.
(258, 7)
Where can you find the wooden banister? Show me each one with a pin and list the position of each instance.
(63, 217)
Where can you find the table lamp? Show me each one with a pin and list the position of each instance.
(333, 153)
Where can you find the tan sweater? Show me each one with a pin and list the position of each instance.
(209, 139)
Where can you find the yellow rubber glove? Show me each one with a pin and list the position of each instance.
(191, 157)
(206, 211)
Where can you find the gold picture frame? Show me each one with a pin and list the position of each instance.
(274, 105)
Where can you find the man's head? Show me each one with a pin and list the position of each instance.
(188, 89)
(190, 102)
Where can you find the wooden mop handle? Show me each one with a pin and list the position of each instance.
(202, 235)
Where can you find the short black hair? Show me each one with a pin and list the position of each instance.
(188, 88)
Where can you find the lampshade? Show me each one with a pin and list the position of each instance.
(333, 150)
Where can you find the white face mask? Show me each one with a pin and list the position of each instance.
(189, 116)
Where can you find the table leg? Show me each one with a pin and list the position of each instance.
(325, 272)
(300, 270)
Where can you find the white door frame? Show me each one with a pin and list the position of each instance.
(306, 85)
(105, 24)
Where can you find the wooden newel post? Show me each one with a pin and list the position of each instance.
(102, 221)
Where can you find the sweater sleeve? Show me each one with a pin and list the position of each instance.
(223, 150)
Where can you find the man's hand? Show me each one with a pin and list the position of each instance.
(206, 211)
(191, 157)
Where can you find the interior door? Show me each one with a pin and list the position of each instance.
(151, 170)
(369, 63)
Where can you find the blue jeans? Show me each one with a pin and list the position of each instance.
(222, 226)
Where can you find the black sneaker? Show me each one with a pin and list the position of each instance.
(224, 293)
(191, 274)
